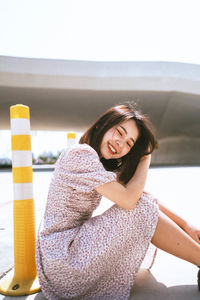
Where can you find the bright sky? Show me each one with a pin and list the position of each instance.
(103, 30)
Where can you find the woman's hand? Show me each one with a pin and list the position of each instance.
(146, 157)
(193, 232)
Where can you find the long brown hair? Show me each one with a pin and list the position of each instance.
(145, 144)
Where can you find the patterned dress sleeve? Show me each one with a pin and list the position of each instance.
(83, 169)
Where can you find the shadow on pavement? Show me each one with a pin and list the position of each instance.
(146, 287)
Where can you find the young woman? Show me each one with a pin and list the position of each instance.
(81, 257)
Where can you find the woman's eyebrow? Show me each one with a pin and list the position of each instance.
(127, 133)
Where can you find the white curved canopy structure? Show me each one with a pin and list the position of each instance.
(69, 95)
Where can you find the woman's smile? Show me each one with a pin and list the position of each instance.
(119, 140)
(111, 149)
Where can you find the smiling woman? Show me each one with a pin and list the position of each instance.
(121, 136)
(99, 256)
(93, 246)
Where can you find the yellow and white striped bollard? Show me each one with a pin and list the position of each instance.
(23, 279)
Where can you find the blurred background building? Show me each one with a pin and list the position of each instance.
(68, 95)
(70, 60)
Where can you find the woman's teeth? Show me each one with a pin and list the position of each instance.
(112, 149)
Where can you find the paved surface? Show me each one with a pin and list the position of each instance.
(170, 277)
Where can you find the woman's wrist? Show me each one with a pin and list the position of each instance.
(146, 158)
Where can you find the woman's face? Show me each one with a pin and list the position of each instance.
(119, 140)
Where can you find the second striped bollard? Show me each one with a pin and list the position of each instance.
(71, 139)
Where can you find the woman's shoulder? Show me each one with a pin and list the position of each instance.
(79, 158)
(81, 149)
(83, 159)
(77, 153)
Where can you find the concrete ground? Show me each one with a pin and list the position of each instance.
(170, 277)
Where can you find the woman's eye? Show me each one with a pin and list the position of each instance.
(119, 132)
(128, 144)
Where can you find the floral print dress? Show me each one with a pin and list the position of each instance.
(82, 257)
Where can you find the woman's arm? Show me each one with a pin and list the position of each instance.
(186, 226)
(127, 196)
(172, 215)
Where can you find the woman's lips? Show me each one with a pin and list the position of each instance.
(111, 149)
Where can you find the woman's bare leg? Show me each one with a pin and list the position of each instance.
(171, 238)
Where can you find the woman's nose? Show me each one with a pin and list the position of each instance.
(119, 143)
